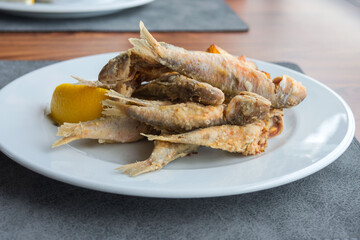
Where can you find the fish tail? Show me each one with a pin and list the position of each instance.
(69, 133)
(114, 112)
(82, 81)
(147, 46)
(64, 140)
(121, 100)
(113, 108)
(135, 169)
(145, 34)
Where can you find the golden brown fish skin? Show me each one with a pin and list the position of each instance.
(178, 117)
(248, 140)
(162, 154)
(245, 108)
(115, 129)
(177, 87)
(222, 71)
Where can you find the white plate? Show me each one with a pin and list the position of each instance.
(316, 133)
(70, 9)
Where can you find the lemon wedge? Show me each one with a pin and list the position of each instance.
(76, 103)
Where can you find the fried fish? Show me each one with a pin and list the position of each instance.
(227, 73)
(177, 87)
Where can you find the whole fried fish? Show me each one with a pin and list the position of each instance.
(220, 70)
(177, 87)
(166, 152)
(178, 117)
(243, 109)
(248, 140)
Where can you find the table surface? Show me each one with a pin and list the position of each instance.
(321, 36)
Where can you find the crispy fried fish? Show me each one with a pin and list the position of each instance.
(162, 115)
(220, 70)
(162, 154)
(166, 152)
(177, 87)
(243, 109)
(178, 117)
(107, 129)
(248, 140)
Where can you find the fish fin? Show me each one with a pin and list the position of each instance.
(143, 49)
(135, 169)
(114, 108)
(123, 99)
(65, 140)
(108, 103)
(82, 81)
(93, 84)
(145, 34)
(114, 112)
(147, 46)
(136, 101)
(69, 132)
(70, 129)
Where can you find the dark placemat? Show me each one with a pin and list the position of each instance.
(325, 205)
(160, 15)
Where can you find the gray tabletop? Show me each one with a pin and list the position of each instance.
(325, 205)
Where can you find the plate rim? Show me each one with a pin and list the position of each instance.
(63, 9)
(181, 193)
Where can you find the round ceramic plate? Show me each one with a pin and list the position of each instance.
(70, 9)
(316, 133)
